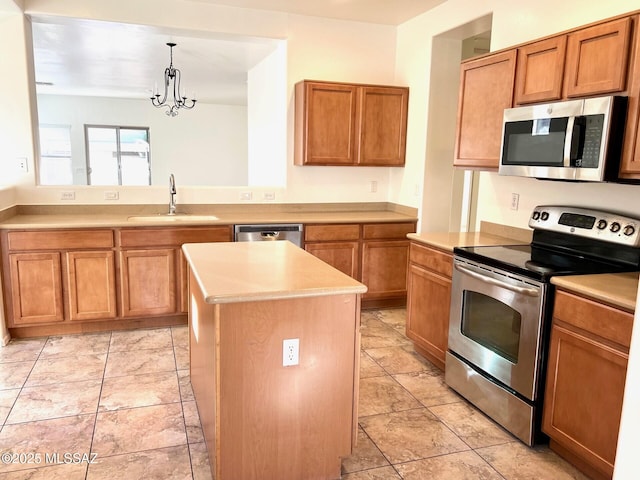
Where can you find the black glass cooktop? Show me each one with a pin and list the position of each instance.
(541, 263)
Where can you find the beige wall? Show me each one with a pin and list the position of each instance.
(16, 108)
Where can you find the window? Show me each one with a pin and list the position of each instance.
(118, 155)
(55, 155)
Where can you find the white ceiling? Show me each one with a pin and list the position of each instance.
(86, 57)
(388, 12)
(82, 57)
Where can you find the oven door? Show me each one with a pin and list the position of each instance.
(496, 324)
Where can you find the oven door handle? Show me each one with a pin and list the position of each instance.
(532, 292)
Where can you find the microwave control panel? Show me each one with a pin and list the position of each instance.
(595, 224)
(593, 125)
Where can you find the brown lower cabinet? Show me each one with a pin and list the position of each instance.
(384, 269)
(148, 285)
(36, 296)
(73, 280)
(345, 256)
(585, 382)
(428, 298)
(58, 276)
(337, 245)
(374, 253)
(92, 285)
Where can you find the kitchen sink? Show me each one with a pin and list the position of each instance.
(178, 217)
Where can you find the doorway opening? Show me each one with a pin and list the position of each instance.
(448, 50)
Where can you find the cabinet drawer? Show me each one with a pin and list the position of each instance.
(431, 259)
(153, 237)
(330, 233)
(601, 320)
(59, 239)
(387, 230)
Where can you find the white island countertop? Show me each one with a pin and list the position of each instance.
(229, 272)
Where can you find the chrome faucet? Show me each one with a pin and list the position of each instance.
(172, 195)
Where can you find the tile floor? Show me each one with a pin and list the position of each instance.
(125, 398)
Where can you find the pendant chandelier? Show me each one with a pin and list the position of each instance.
(173, 99)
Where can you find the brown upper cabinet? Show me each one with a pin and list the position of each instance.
(539, 71)
(350, 124)
(486, 89)
(597, 59)
(588, 61)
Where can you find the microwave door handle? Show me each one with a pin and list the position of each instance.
(531, 292)
(568, 142)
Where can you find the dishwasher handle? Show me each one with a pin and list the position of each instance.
(270, 235)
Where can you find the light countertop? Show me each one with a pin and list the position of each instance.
(252, 271)
(489, 234)
(616, 289)
(447, 241)
(102, 220)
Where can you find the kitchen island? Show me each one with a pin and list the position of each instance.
(262, 419)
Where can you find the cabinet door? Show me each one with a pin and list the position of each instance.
(630, 163)
(539, 71)
(486, 89)
(327, 133)
(384, 268)
(428, 300)
(91, 285)
(148, 282)
(597, 59)
(36, 288)
(341, 255)
(583, 399)
(383, 125)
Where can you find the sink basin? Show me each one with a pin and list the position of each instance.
(164, 217)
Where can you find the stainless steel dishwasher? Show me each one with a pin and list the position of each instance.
(268, 232)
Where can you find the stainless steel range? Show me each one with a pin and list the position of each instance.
(501, 304)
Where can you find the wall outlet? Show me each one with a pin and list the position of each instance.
(23, 166)
(111, 195)
(515, 199)
(269, 196)
(246, 196)
(373, 186)
(290, 352)
(68, 195)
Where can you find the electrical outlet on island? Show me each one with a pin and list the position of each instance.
(290, 352)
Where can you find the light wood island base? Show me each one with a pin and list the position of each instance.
(262, 420)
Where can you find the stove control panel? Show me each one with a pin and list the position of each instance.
(595, 224)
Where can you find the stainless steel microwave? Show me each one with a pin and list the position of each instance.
(571, 140)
